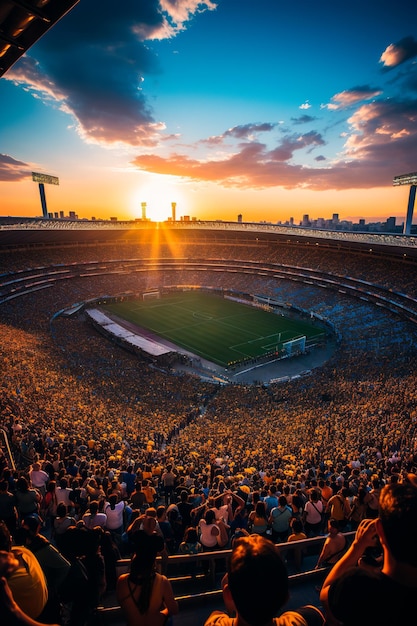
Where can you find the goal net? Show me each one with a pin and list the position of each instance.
(295, 346)
(151, 295)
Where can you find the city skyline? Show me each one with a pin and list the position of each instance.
(270, 111)
(306, 221)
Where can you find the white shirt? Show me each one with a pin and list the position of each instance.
(99, 519)
(114, 516)
(38, 478)
(62, 495)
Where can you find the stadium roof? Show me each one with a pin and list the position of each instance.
(16, 232)
(150, 346)
(23, 22)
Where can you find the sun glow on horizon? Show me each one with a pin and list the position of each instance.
(159, 193)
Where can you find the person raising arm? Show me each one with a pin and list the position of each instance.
(391, 581)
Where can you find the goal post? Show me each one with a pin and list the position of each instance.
(294, 346)
(151, 295)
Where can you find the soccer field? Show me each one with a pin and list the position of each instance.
(219, 330)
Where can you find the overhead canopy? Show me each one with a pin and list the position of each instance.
(23, 22)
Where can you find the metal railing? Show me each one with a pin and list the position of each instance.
(210, 582)
(5, 446)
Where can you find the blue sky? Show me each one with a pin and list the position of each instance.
(263, 108)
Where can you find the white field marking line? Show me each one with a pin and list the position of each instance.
(262, 338)
(235, 347)
(201, 316)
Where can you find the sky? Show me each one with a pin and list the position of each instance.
(266, 109)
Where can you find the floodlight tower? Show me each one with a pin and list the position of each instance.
(408, 179)
(41, 179)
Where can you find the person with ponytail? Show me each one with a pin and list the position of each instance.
(145, 596)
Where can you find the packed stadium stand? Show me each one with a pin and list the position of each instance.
(72, 391)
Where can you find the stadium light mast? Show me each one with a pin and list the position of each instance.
(42, 179)
(408, 179)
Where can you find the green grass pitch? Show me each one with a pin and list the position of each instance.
(219, 330)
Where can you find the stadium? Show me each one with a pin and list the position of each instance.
(348, 393)
(364, 292)
(70, 391)
(243, 355)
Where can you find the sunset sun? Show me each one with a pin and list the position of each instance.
(158, 194)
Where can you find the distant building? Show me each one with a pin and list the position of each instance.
(336, 224)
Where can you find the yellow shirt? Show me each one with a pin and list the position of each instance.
(149, 494)
(28, 583)
(297, 537)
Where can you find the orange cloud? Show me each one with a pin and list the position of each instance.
(352, 96)
(400, 52)
(12, 170)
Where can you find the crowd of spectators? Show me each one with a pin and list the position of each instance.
(103, 432)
